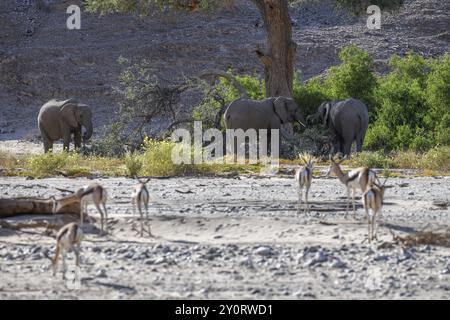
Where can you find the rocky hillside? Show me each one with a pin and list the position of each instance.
(41, 59)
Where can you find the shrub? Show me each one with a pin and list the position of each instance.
(157, 158)
(133, 163)
(372, 160)
(438, 98)
(406, 160)
(310, 95)
(49, 164)
(437, 158)
(353, 77)
(222, 94)
(378, 137)
(412, 105)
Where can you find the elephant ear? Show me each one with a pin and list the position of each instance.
(326, 113)
(280, 108)
(67, 112)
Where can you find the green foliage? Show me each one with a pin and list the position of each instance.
(437, 158)
(412, 105)
(157, 158)
(133, 163)
(409, 107)
(438, 98)
(50, 164)
(222, 94)
(353, 77)
(309, 95)
(372, 160)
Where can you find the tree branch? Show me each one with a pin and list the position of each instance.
(215, 73)
(265, 59)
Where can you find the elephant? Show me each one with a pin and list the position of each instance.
(268, 114)
(60, 119)
(346, 120)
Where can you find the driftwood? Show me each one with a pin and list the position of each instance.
(29, 225)
(19, 206)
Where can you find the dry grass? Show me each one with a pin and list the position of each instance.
(422, 238)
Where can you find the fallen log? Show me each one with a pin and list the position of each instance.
(20, 206)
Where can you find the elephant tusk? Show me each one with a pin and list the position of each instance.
(302, 124)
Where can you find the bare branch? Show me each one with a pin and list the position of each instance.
(215, 73)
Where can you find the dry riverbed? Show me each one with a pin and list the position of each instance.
(235, 239)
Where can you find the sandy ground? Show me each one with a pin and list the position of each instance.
(234, 239)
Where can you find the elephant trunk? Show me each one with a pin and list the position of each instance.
(88, 134)
(311, 119)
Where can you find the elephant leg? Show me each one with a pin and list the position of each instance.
(66, 140)
(360, 140)
(48, 145)
(346, 148)
(77, 139)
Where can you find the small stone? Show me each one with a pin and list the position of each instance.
(160, 260)
(445, 271)
(338, 264)
(381, 258)
(321, 257)
(96, 249)
(36, 256)
(101, 274)
(35, 249)
(264, 251)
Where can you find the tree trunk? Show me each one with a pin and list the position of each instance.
(19, 206)
(279, 57)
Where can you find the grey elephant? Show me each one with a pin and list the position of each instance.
(60, 119)
(270, 113)
(346, 120)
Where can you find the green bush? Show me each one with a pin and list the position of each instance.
(437, 158)
(225, 93)
(378, 137)
(48, 164)
(157, 158)
(412, 105)
(309, 95)
(409, 107)
(372, 160)
(133, 163)
(438, 98)
(353, 77)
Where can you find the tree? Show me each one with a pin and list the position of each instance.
(278, 58)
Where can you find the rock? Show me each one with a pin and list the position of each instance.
(264, 251)
(247, 262)
(338, 264)
(35, 249)
(321, 257)
(101, 274)
(96, 249)
(381, 257)
(36, 256)
(446, 271)
(160, 260)
(149, 262)
(318, 258)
